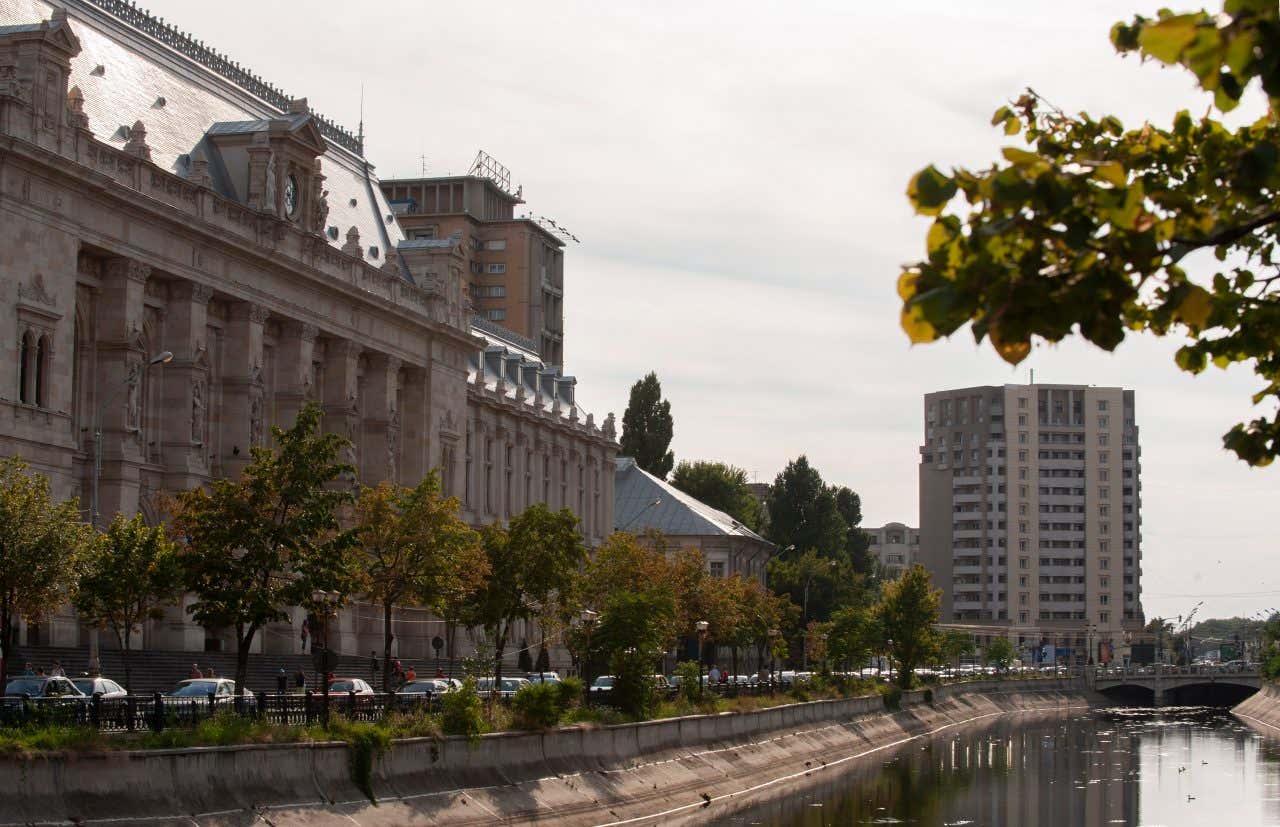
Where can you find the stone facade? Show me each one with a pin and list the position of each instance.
(251, 242)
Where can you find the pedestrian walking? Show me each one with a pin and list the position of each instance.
(713, 674)
(306, 632)
(282, 682)
(57, 671)
(373, 667)
(300, 681)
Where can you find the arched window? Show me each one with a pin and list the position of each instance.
(24, 369)
(42, 372)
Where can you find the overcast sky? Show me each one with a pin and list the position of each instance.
(736, 175)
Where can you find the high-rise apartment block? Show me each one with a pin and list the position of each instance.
(1030, 518)
(514, 266)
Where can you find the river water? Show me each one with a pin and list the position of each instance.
(1172, 767)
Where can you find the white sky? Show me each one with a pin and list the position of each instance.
(736, 172)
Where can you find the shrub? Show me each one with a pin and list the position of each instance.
(893, 698)
(570, 691)
(365, 742)
(928, 696)
(633, 692)
(690, 681)
(536, 706)
(461, 712)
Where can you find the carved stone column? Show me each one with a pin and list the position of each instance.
(242, 417)
(295, 383)
(341, 394)
(380, 457)
(415, 426)
(187, 394)
(117, 400)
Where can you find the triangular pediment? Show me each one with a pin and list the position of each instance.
(306, 130)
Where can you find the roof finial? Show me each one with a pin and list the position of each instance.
(360, 134)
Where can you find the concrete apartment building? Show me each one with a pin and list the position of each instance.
(897, 547)
(1030, 518)
(514, 266)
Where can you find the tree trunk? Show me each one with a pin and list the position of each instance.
(734, 676)
(451, 634)
(386, 646)
(499, 646)
(124, 656)
(243, 642)
(7, 640)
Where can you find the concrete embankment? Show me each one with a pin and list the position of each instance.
(656, 772)
(1261, 710)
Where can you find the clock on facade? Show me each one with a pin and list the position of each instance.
(290, 196)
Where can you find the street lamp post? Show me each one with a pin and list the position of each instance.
(588, 619)
(701, 626)
(773, 661)
(890, 651)
(135, 376)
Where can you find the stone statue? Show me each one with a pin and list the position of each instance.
(133, 405)
(270, 206)
(321, 209)
(610, 428)
(393, 451)
(197, 410)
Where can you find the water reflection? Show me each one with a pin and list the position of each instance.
(1168, 767)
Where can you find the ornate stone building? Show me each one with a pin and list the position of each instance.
(155, 199)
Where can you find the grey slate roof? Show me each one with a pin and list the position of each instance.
(676, 513)
(138, 71)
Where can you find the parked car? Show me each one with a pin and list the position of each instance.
(661, 683)
(509, 687)
(194, 690)
(603, 683)
(41, 687)
(424, 689)
(543, 677)
(344, 686)
(104, 688)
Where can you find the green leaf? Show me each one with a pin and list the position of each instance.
(930, 190)
(1112, 172)
(1019, 157)
(1194, 309)
(1164, 40)
(1002, 114)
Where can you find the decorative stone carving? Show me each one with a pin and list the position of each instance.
(258, 314)
(393, 450)
(129, 269)
(308, 332)
(448, 423)
(269, 204)
(76, 116)
(199, 171)
(201, 293)
(37, 292)
(133, 400)
(610, 428)
(137, 143)
(255, 415)
(198, 411)
(352, 247)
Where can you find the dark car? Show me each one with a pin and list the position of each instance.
(42, 687)
(43, 695)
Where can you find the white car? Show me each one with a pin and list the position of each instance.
(343, 686)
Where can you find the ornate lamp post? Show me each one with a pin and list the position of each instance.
(701, 626)
(588, 619)
(773, 665)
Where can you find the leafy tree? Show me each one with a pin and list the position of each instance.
(818, 585)
(759, 611)
(417, 550)
(721, 486)
(955, 645)
(131, 574)
(906, 615)
(1088, 228)
(851, 635)
(857, 544)
(41, 549)
(272, 539)
(631, 633)
(647, 427)
(531, 564)
(1000, 653)
(803, 511)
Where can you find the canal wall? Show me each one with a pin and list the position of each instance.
(655, 772)
(1261, 710)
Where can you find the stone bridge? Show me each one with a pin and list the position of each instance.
(1167, 683)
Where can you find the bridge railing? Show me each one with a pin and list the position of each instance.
(1161, 670)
